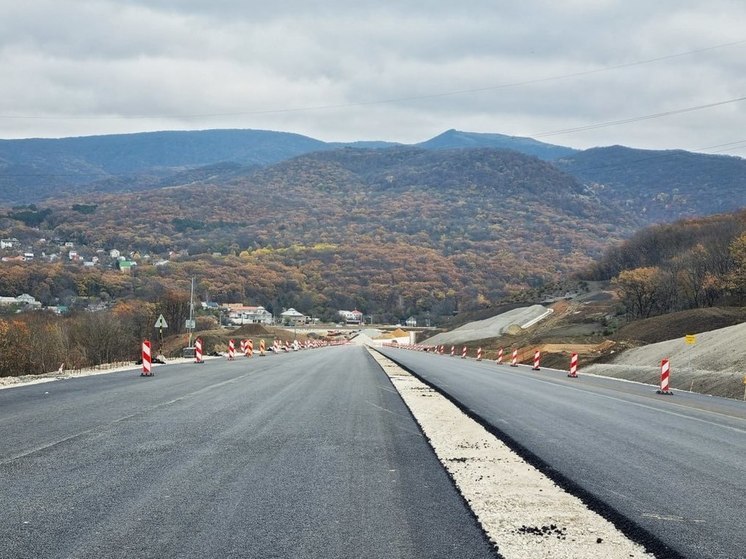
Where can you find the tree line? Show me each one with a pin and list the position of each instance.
(684, 265)
(39, 342)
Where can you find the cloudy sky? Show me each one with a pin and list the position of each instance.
(566, 72)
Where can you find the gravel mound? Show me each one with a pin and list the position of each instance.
(715, 364)
(491, 327)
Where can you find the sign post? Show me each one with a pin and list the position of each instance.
(160, 324)
(690, 340)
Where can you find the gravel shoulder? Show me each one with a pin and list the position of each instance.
(524, 513)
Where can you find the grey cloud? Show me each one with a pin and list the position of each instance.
(106, 65)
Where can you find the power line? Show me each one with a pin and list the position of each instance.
(636, 118)
(386, 101)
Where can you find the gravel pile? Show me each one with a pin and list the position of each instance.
(490, 327)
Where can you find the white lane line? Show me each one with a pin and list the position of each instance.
(561, 382)
(669, 518)
(657, 409)
(114, 422)
(396, 415)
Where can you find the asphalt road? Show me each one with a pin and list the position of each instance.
(309, 454)
(675, 466)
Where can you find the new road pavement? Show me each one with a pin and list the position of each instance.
(309, 454)
(674, 467)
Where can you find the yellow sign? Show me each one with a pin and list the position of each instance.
(744, 380)
(690, 339)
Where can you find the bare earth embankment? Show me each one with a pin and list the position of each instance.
(715, 364)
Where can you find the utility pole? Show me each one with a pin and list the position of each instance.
(190, 325)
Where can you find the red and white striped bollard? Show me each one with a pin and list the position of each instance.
(665, 373)
(479, 354)
(198, 350)
(231, 349)
(537, 361)
(514, 360)
(573, 366)
(499, 356)
(147, 361)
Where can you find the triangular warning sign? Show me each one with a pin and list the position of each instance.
(161, 322)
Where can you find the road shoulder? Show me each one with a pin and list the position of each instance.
(524, 513)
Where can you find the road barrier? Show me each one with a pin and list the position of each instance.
(231, 350)
(573, 366)
(453, 350)
(479, 354)
(514, 360)
(463, 353)
(198, 350)
(537, 361)
(147, 361)
(665, 372)
(499, 356)
(249, 348)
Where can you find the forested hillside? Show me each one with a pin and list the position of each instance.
(38, 169)
(393, 232)
(684, 265)
(661, 186)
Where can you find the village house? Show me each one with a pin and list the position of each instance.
(25, 300)
(293, 317)
(351, 317)
(241, 314)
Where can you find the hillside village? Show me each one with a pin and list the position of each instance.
(56, 250)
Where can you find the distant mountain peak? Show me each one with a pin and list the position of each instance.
(454, 139)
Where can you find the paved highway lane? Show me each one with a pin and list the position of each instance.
(308, 454)
(674, 465)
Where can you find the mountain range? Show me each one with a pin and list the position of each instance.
(283, 220)
(659, 185)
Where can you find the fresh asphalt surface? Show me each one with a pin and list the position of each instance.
(673, 465)
(309, 454)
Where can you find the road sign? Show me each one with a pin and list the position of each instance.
(161, 322)
(690, 339)
(190, 324)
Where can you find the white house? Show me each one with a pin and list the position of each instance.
(351, 317)
(291, 316)
(240, 314)
(25, 299)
